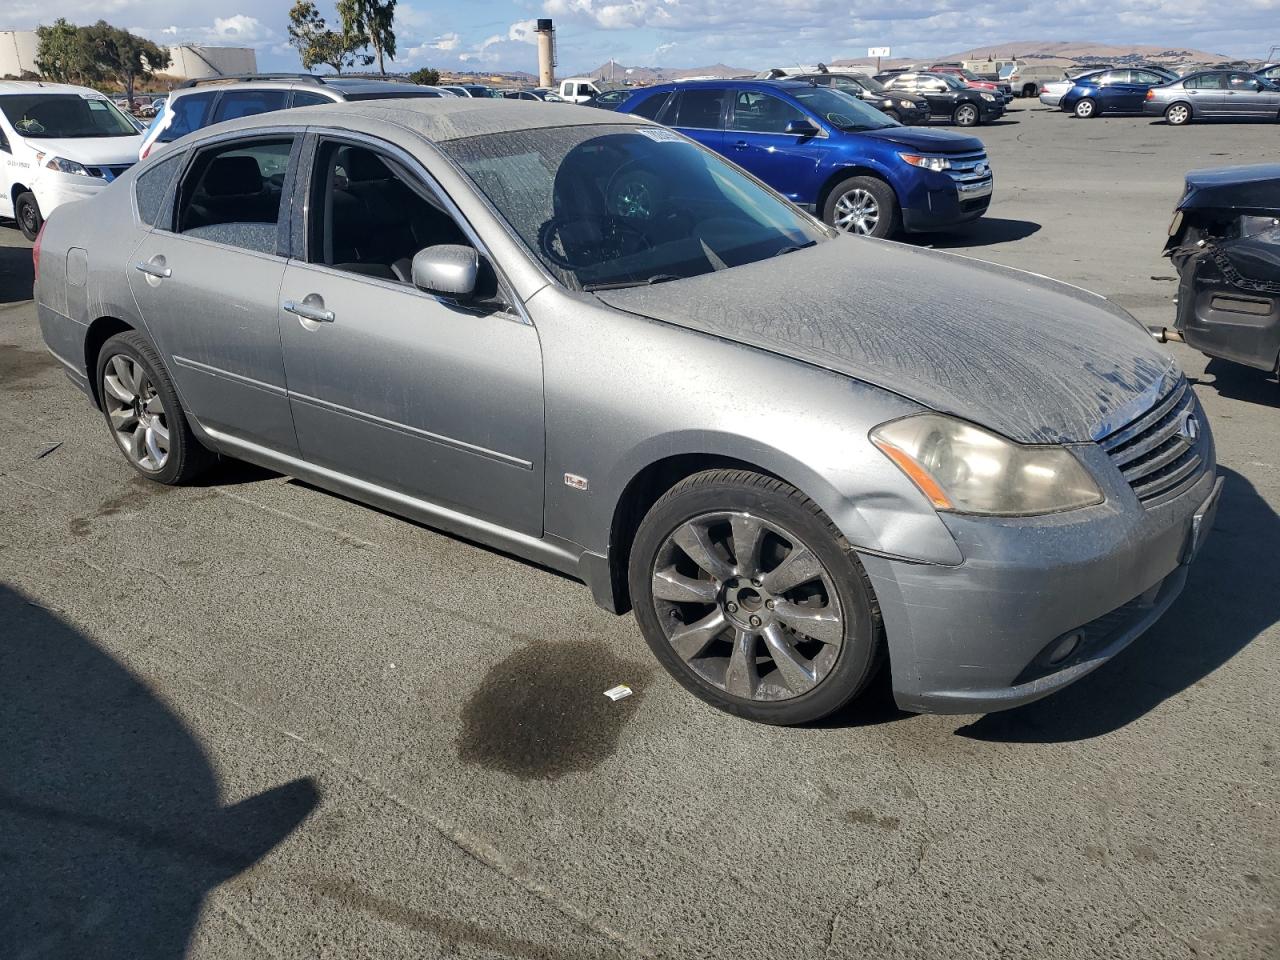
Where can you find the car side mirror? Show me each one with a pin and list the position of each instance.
(448, 269)
(801, 128)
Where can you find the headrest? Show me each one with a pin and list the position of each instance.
(232, 176)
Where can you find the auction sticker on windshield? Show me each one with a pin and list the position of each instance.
(660, 134)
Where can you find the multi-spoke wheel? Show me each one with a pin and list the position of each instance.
(143, 411)
(751, 598)
(863, 205)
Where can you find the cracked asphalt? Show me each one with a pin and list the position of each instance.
(250, 719)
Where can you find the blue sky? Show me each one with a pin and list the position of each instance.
(497, 34)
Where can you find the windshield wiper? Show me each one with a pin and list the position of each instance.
(622, 284)
(793, 249)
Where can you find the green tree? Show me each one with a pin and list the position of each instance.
(425, 76)
(373, 22)
(316, 44)
(62, 55)
(121, 55)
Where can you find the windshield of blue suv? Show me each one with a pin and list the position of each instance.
(64, 116)
(611, 206)
(842, 110)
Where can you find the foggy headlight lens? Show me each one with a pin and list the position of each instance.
(965, 469)
(67, 166)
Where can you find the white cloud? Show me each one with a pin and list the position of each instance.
(239, 30)
(496, 47)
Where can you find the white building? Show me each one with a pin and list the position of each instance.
(17, 52)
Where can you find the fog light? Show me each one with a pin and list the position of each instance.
(1066, 647)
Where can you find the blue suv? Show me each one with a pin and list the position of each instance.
(829, 152)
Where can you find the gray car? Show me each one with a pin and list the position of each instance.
(581, 338)
(1215, 93)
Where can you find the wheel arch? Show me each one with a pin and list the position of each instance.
(100, 331)
(15, 191)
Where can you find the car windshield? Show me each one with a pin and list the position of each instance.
(951, 80)
(609, 206)
(842, 110)
(870, 83)
(65, 116)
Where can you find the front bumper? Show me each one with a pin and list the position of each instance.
(986, 634)
(52, 190)
(946, 204)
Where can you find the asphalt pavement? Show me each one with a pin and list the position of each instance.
(251, 719)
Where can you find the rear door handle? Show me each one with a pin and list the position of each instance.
(312, 308)
(154, 270)
(740, 145)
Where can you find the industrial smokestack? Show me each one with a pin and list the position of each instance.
(546, 53)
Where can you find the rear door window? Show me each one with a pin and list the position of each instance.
(651, 106)
(248, 103)
(189, 113)
(1209, 81)
(701, 109)
(233, 194)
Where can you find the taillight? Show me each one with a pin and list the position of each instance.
(35, 248)
(147, 150)
(1151, 94)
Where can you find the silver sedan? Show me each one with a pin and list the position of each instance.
(581, 338)
(1212, 94)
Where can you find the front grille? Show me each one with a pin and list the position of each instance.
(1155, 453)
(108, 173)
(963, 168)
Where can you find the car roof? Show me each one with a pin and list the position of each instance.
(344, 86)
(39, 86)
(441, 119)
(783, 84)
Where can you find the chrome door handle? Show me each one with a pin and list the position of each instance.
(309, 312)
(740, 145)
(151, 270)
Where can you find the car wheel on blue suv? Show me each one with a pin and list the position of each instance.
(752, 599)
(862, 205)
(1086, 108)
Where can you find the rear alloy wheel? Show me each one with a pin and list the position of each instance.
(143, 412)
(27, 212)
(966, 115)
(1178, 114)
(752, 599)
(864, 206)
(1086, 109)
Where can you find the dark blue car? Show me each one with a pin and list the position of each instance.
(1113, 91)
(829, 152)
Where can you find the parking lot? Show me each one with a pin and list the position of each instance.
(275, 723)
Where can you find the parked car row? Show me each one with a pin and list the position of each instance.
(1156, 92)
(989, 502)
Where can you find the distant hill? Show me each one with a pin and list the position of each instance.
(1081, 51)
(644, 75)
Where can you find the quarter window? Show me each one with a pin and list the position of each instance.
(303, 98)
(233, 194)
(762, 113)
(700, 109)
(651, 106)
(152, 186)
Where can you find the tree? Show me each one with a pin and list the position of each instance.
(62, 55)
(425, 76)
(121, 55)
(317, 44)
(373, 22)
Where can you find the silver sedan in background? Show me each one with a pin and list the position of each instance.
(1215, 94)
(581, 338)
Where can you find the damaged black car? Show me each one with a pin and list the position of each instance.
(1225, 242)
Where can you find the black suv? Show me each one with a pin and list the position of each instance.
(948, 97)
(901, 106)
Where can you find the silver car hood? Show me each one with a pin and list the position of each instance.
(1036, 360)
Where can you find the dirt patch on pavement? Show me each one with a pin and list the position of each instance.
(21, 369)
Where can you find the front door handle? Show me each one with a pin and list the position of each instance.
(311, 308)
(740, 145)
(152, 269)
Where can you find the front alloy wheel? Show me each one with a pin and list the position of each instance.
(857, 211)
(966, 115)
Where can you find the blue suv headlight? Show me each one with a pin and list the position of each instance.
(936, 164)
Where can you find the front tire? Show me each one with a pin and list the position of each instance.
(1178, 115)
(752, 599)
(893, 115)
(863, 205)
(966, 115)
(27, 212)
(1086, 108)
(144, 414)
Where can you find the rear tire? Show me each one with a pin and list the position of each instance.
(1178, 114)
(734, 585)
(1086, 108)
(26, 210)
(893, 115)
(966, 115)
(143, 412)
(864, 206)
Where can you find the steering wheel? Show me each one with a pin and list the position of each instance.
(617, 238)
(634, 194)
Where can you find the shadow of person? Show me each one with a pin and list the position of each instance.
(112, 828)
(17, 274)
(980, 232)
(1238, 382)
(1230, 598)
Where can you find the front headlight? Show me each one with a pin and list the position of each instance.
(965, 469)
(936, 164)
(989, 97)
(67, 166)
(906, 104)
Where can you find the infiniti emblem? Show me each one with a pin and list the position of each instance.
(1189, 428)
